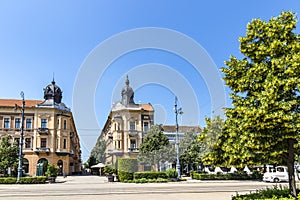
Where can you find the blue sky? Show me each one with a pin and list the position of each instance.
(39, 38)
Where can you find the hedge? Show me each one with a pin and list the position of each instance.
(229, 176)
(24, 180)
(150, 175)
(126, 168)
(267, 194)
(124, 176)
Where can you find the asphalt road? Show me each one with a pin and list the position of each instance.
(95, 187)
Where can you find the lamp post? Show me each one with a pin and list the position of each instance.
(177, 111)
(20, 165)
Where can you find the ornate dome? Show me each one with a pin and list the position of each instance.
(53, 92)
(127, 93)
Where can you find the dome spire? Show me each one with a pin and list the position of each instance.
(53, 92)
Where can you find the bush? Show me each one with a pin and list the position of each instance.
(271, 194)
(24, 180)
(52, 170)
(231, 176)
(109, 170)
(126, 168)
(150, 175)
(33, 180)
(125, 176)
(9, 180)
(172, 173)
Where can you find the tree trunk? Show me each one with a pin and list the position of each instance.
(291, 168)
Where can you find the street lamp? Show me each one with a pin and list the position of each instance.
(21, 139)
(177, 111)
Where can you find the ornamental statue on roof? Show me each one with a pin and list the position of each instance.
(127, 94)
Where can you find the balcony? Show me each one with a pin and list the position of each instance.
(43, 131)
(133, 133)
(133, 149)
(42, 150)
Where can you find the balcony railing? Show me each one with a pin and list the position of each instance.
(133, 133)
(42, 150)
(133, 149)
(43, 131)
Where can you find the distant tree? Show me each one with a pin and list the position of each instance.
(98, 152)
(209, 137)
(263, 124)
(190, 150)
(8, 155)
(155, 148)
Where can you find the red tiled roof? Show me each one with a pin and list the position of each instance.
(12, 102)
(182, 129)
(147, 107)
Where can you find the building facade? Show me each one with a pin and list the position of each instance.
(49, 132)
(126, 126)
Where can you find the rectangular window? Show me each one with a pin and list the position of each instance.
(28, 123)
(57, 123)
(119, 126)
(17, 123)
(44, 123)
(132, 144)
(6, 122)
(27, 142)
(146, 126)
(65, 143)
(43, 142)
(119, 144)
(132, 126)
(65, 124)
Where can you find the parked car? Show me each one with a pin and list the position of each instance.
(279, 174)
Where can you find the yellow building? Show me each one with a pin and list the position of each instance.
(49, 132)
(126, 126)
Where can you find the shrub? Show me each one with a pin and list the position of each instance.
(275, 193)
(150, 175)
(52, 170)
(24, 180)
(109, 170)
(161, 180)
(33, 180)
(231, 176)
(172, 173)
(9, 180)
(125, 176)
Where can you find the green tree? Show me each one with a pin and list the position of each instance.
(8, 155)
(98, 152)
(155, 148)
(262, 126)
(190, 150)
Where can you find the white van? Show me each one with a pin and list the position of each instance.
(279, 174)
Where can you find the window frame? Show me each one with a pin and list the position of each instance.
(42, 142)
(17, 122)
(6, 122)
(132, 126)
(28, 122)
(44, 123)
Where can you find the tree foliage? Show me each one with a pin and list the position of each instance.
(98, 153)
(190, 149)
(8, 155)
(156, 148)
(262, 126)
